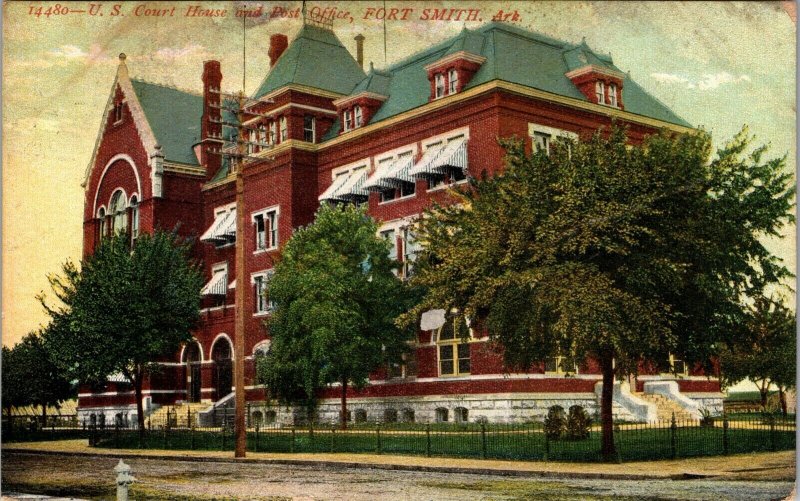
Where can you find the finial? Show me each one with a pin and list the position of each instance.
(122, 57)
(371, 67)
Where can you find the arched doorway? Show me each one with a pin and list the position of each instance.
(191, 357)
(223, 368)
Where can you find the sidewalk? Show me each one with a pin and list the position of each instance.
(758, 466)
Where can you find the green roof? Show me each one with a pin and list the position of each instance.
(174, 116)
(377, 82)
(513, 55)
(315, 58)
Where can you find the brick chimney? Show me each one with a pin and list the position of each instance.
(210, 132)
(277, 44)
(360, 50)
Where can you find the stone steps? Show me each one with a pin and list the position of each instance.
(665, 407)
(178, 414)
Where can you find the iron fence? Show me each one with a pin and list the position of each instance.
(525, 441)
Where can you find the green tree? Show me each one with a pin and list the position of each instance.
(124, 309)
(764, 351)
(336, 299)
(38, 380)
(609, 251)
(12, 380)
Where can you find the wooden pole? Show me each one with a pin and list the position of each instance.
(241, 285)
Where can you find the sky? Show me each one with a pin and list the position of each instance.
(718, 65)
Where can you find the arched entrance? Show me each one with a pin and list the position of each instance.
(191, 357)
(223, 368)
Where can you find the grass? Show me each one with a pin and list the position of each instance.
(516, 442)
(523, 490)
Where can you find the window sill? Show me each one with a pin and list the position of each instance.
(398, 199)
(265, 250)
(446, 186)
(455, 376)
(261, 314)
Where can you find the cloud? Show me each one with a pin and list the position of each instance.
(189, 50)
(68, 52)
(707, 82)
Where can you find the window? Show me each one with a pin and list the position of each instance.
(388, 194)
(600, 90)
(454, 357)
(251, 143)
(118, 112)
(118, 212)
(410, 249)
(452, 77)
(390, 236)
(439, 85)
(101, 223)
(561, 365)
(273, 132)
(612, 95)
(678, 367)
(406, 367)
(284, 129)
(262, 302)
(541, 142)
(461, 415)
(407, 189)
(543, 137)
(348, 120)
(262, 135)
(441, 415)
(266, 228)
(309, 126)
(358, 118)
(134, 218)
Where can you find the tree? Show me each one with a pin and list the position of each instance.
(336, 298)
(12, 378)
(764, 351)
(603, 250)
(124, 309)
(37, 379)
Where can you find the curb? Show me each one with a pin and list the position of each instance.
(377, 466)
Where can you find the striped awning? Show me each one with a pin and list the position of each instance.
(425, 165)
(400, 170)
(453, 156)
(223, 229)
(353, 188)
(330, 193)
(217, 286)
(378, 180)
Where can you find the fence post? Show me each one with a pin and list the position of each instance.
(483, 440)
(378, 436)
(188, 416)
(116, 435)
(222, 430)
(333, 439)
(546, 446)
(673, 431)
(291, 445)
(428, 439)
(772, 434)
(191, 436)
(256, 444)
(725, 434)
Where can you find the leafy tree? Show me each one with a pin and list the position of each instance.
(37, 379)
(609, 251)
(124, 309)
(336, 300)
(12, 378)
(764, 351)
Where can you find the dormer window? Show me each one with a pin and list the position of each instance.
(284, 129)
(358, 117)
(612, 95)
(348, 120)
(439, 85)
(452, 78)
(600, 91)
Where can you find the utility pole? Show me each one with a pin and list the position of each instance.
(240, 154)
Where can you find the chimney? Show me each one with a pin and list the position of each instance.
(277, 44)
(209, 130)
(360, 50)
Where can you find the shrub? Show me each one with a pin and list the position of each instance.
(555, 423)
(706, 419)
(578, 423)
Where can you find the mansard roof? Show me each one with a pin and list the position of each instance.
(315, 58)
(512, 55)
(174, 116)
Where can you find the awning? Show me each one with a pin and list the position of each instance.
(378, 180)
(330, 193)
(354, 187)
(217, 285)
(400, 170)
(425, 165)
(223, 229)
(454, 155)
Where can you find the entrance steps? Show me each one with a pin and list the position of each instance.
(179, 415)
(666, 407)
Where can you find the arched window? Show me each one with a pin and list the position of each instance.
(439, 85)
(101, 224)
(612, 95)
(461, 415)
(408, 415)
(390, 415)
(134, 217)
(452, 77)
(441, 415)
(117, 211)
(600, 90)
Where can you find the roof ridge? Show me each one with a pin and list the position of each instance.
(167, 86)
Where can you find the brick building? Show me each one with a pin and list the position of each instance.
(328, 130)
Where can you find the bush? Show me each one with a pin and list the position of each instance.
(555, 424)
(578, 423)
(706, 419)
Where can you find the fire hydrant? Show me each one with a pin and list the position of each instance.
(124, 479)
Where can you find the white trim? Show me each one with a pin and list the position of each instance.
(462, 54)
(263, 212)
(119, 156)
(265, 342)
(183, 349)
(214, 342)
(589, 68)
(272, 114)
